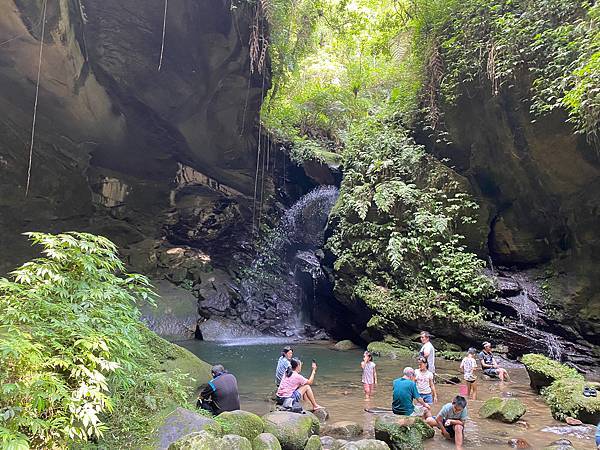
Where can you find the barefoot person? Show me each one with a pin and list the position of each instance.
(469, 366)
(283, 364)
(295, 386)
(428, 351)
(369, 375)
(425, 382)
(451, 420)
(405, 392)
(489, 365)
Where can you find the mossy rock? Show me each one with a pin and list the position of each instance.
(179, 422)
(344, 429)
(565, 398)
(242, 423)
(291, 430)
(345, 345)
(203, 440)
(507, 410)
(313, 443)
(543, 371)
(365, 444)
(386, 350)
(451, 355)
(402, 432)
(265, 441)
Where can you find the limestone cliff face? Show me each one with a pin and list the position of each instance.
(541, 186)
(113, 133)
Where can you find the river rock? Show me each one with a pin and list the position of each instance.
(265, 441)
(313, 443)
(322, 414)
(203, 440)
(401, 432)
(344, 346)
(507, 410)
(519, 443)
(543, 371)
(292, 430)
(330, 443)
(344, 429)
(182, 422)
(565, 398)
(384, 349)
(365, 444)
(561, 444)
(242, 423)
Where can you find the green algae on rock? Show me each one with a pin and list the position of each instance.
(313, 443)
(565, 398)
(401, 432)
(242, 423)
(291, 430)
(507, 410)
(265, 441)
(388, 350)
(543, 371)
(344, 345)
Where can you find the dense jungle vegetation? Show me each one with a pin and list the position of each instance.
(355, 79)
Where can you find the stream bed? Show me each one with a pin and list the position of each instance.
(338, 388)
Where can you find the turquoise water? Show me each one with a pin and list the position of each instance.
(338, 387)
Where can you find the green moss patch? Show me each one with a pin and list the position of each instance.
(402, 433)
(507, 410)
(385, 349)
(543, 371)
(565, 398)
(242, 423)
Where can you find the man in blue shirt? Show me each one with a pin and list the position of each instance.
(451, 420)
(405, 391)
(283, 364)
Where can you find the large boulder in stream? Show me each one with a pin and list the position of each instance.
(265, 441)
(385, 349)
(565, 398)
(543, 371)
(344, 429)
(242, 423)
(182, 422)
(292, 430)
(345, 345)
(507, 410)
(402, 432)
(203, 440)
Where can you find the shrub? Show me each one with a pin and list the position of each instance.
(543, 371)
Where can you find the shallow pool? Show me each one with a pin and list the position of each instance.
(338, 388)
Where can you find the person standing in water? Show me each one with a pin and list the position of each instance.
(469, 366)
(283, 364)
(425, 382)
(428, 351)
(369, 375)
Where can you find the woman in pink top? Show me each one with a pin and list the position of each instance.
(294, 385)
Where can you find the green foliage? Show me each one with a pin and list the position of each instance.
(397, 222)
(565, 399)
(549, 367)
(73, 350)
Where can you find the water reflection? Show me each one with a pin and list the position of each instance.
(338, 388)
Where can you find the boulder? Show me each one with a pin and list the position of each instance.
(365, 444)
(242, 423)
(343, 346)
(565, 398)
(385, 349)
(401, 432)
(543, 371)
(265, 441)
(507, 410)
(322, 414)
(330, 443)
(313, 443)
(182, 422)
(203, 440)
(561, 444)
(344, 429)
(291, 430)
(518, 443)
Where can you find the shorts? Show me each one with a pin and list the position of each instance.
(295, 396)
(427, 398)
(491, 372)
(597, 441)
(450, 431)
(368, 388)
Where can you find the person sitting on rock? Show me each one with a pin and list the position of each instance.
(489, 365)
(295, 387)
(221, 393)
(405, 391)
(451, 420)
(283, 364)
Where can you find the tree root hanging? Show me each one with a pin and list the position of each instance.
(164, 30)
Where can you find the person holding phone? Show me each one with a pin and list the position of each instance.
(295, 387)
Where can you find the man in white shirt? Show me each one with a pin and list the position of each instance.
(428, 351)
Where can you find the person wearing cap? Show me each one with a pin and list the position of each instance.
(428, 351)
(221, 393)
(283, 363)
(489, 365)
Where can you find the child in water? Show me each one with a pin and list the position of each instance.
(369, 375)
(469, 366)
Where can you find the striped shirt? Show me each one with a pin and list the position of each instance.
(282, 366)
